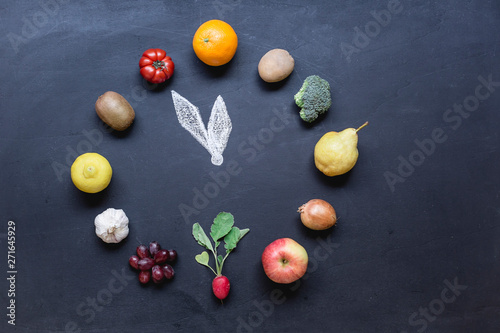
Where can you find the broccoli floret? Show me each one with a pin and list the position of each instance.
(313, 98)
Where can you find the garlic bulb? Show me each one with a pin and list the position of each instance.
(111, 225)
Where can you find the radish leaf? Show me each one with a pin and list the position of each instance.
(221, 226)
(201, 237)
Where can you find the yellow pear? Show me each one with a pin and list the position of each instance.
(337, 152)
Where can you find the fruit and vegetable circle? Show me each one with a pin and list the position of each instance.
(250, 166)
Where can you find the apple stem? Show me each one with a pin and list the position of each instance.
(360, 127)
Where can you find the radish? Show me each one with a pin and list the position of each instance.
(221, 286)
(222, 229)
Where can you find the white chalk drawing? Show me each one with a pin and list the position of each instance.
(214, 138)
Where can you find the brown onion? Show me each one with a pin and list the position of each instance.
(317, 214)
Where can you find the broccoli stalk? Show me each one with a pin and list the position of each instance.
(313, 98)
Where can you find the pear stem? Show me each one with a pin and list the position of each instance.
(360, 127)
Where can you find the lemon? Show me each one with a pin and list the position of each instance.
(91, 172)
(337, 152)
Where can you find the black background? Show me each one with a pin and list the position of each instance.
(391, 251)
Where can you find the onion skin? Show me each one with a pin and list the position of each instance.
(317, 214)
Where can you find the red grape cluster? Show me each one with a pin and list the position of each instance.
(152, 263)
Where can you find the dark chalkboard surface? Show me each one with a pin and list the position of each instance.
(416, 247)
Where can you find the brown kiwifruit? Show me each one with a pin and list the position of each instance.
(114, 110)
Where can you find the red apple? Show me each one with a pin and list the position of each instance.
(284, 260)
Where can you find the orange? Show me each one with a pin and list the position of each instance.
(215, 42)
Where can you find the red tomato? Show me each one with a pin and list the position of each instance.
(156, 66)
